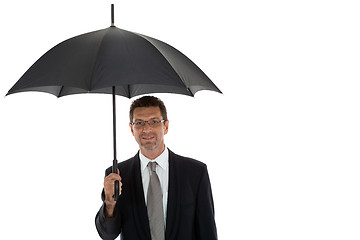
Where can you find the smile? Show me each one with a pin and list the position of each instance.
(147, 138)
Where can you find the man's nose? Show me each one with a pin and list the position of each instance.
(146, 128)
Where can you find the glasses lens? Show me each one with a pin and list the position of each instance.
(152, 123)
(139, 124)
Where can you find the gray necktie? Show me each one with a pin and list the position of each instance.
(155, 205)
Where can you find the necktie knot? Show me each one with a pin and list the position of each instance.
(152, 166)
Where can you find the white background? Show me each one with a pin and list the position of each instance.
(281, 143)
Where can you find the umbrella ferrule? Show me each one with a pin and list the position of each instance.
(112, 16)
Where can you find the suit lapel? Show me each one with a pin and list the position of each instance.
(139, 207)
(173, 208)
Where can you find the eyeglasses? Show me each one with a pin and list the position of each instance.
(152, 123)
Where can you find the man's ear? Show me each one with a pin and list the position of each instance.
(131, 129)
(166, 127)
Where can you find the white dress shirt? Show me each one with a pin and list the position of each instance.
(162, 170)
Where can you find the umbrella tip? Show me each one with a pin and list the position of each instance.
(112, 15)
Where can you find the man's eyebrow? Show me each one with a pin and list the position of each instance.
(139, 119)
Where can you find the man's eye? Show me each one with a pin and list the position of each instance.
(139, 123)
(155, 121)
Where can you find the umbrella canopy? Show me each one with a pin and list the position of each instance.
(113, 61)
(95, 62)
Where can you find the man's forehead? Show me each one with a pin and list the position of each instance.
(150, 112)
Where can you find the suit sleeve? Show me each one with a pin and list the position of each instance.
(108, 228)
(205, 214)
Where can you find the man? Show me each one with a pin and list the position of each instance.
(162, 195)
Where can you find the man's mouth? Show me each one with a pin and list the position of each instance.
(147, 137)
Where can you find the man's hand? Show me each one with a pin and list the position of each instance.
(109, 184)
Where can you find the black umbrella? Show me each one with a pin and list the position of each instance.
(117, 62)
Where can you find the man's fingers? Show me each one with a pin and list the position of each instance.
(109, 181)
(113, 177)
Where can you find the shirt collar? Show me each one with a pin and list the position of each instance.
(162, 160)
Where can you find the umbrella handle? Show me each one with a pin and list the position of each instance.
(116, 190)
(116, 185)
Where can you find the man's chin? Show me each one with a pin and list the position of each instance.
(148, 146)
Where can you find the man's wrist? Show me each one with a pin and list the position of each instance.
(109, 208)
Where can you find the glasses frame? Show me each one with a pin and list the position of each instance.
(146, 122)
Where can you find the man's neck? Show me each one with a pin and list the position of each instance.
(152, 154)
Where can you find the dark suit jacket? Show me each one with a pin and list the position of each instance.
(190, 211)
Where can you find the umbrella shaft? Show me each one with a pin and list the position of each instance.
(115, 162)
(114, 120)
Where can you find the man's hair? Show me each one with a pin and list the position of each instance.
(148, 101)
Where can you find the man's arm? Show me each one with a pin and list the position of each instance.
(205, 215)
(107, 227)
(107, 220)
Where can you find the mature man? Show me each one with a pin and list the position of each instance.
(162, 195)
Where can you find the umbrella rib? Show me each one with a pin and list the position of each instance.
(129, 93)
(189, 90)
(61, 89)
(167, 60)
(93, 67)
(179, 70)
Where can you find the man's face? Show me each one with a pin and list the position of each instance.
(149, 138)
